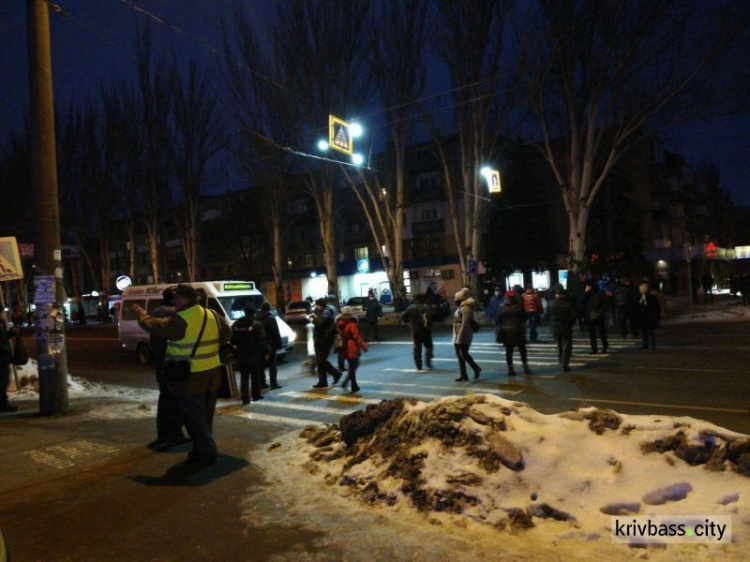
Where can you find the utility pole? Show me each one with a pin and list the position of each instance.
(48, 277)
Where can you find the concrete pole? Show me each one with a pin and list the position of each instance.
(51, 352)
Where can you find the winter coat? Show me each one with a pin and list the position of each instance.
(351, 337)
(510, 322)
(625, 296)
(324, 328)
(6, 352)
(494, 307)
(595, 304)
(562, 315)
(252, 344)
(418, 317)
(531, 302)
(159, 345)
(462, 332)
(373, 310)
(646, 314)
(271, 328)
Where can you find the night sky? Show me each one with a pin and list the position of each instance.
(95, 46)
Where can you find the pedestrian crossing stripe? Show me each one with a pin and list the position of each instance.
(256, 416)
(531, 361)
(429, 386)
(331, 397)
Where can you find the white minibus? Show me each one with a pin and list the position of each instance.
(227, 298)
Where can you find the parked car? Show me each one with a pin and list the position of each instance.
(357, 304)
(297, 312)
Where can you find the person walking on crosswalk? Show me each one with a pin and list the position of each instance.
(351, 343)
(418, 316)
(463, 333)
(511, 332)
(562, 316)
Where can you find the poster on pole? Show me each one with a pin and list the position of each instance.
(11, 267)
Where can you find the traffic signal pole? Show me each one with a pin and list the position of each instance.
(48, 277)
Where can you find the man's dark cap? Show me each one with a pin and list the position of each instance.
(186, 291)
(321, 302)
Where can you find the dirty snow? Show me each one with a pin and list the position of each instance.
(117, 402)
(494, 477)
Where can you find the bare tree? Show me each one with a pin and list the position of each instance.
(155, 105)
(396, 65)
(598, 73)
(469, 41)
(198, 137)
(260, 109)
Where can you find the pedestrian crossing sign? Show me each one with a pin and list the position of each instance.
(493, 181)
(339, 135)
(10, 262)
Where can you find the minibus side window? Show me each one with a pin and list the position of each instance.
(153, 304)
(214, 305)
(127, 308)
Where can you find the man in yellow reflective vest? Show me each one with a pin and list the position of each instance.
(197, 395)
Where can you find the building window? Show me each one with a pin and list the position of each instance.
(432, 273)
(407, 283)
(428, 214)
(447, 274)
(361, 253)
(307, 260)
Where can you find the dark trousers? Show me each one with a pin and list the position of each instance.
(324, 365)
(623, 318)
(198, 415)
(598, 325)
(420, 339)
(272, 370)
(351, 375)
(4, 382)
(371, 328)
(509, 353)
(168, 415)
(462, 353)
(251, 381)
(564, 349)
(533, 323)
(649, 338)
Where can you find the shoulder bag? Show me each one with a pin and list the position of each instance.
(227, 353)
(179, 371)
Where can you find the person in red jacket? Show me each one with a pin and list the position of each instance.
(532, 305)
(352, 342)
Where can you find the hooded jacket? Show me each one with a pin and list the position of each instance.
(462, 332)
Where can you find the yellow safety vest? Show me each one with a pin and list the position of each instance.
(207, 355)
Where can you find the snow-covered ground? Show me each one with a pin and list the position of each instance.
(117, 401)
(723, 311)
(528, 485)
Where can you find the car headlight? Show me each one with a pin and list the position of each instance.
(292, 336)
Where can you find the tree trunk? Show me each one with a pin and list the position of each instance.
(131, 236)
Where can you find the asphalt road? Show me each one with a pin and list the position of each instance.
(698, 370)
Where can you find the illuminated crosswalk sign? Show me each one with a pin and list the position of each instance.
(493, 181)
(340, 135)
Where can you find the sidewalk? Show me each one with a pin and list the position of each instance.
(79, 487)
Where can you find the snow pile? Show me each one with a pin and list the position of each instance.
(719, 311)
(121, 402)
(482, 459)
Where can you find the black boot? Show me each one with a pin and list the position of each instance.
(511, 371)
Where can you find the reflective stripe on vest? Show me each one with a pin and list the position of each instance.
(207, 355)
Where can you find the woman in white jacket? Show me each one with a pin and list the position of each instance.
(463, 333)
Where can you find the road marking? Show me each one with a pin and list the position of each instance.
(331, 398)
(302, 407)
(686, 369)
(532, 362)
(435, 387)
(255, 416)
(673, 406)
(65, 454)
